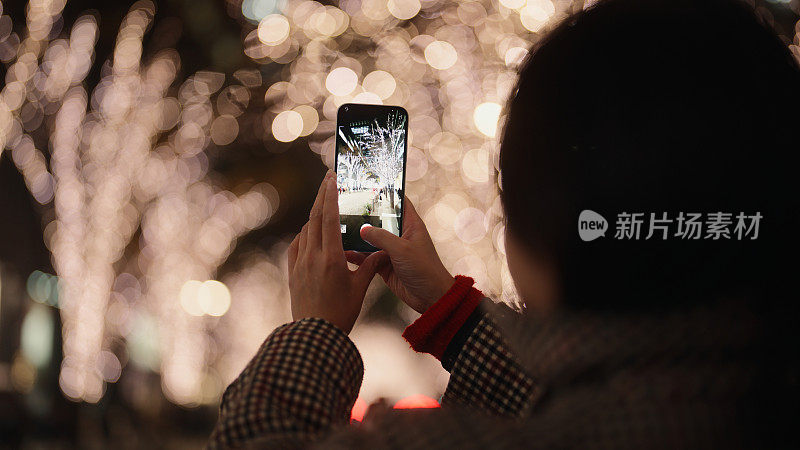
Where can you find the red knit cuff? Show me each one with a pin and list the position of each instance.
(436, 327)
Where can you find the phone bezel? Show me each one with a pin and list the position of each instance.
(349, 112)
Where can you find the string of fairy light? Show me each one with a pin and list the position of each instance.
(132, 154)
(450, 64)
(137, 224)
(129, 155)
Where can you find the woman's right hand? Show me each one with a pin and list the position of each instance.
(413, 271)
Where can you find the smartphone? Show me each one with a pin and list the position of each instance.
(371, 148)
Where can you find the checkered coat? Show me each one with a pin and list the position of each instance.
(680, 381)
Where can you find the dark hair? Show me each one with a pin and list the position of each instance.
(657, 107)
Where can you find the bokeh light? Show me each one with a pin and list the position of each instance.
(486, 116)
(132, 213)
(255, 10)
(224, 129)
(309, 117)
(122, 156)
(341, 81)
(287, 126)
(214, 298)
(403, 9)
(380, 83)
(441, 55)
(273, 29)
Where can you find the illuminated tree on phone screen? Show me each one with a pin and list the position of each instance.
(380, 149)
(354, 170)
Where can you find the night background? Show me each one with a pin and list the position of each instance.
(156, 158)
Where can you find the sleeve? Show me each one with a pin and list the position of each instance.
(459, 331)
(301, 384)
(487, 376)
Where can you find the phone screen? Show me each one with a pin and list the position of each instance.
(370, 170)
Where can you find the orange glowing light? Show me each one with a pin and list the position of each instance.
(418, 401)
(359, 409)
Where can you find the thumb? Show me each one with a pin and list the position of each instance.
(368, 268)
(410, 211)
(381, 238)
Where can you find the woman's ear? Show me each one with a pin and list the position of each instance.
(534, 275)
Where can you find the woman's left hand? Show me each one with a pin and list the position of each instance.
(320, 283)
